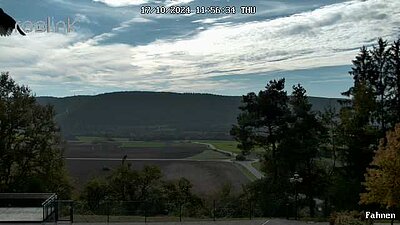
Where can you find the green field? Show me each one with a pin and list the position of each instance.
(229, 146)
(246, 172)
(208, 155)
(257, 165)
(87, 139)
(91, 139)
(225, 145)
(142, 144)
(126, 143)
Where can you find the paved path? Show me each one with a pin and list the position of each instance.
(246, 164)
(21, 214)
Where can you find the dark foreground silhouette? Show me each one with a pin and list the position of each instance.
(8, 24)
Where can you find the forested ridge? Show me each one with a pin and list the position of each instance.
(153, 115)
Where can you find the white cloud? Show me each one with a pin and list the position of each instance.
(126, 24)
(301, 41)
(121, 28)
(323, 37)
(82, 18)
(177, 2)
(210, 20)
(121, 3)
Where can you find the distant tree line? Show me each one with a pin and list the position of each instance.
(152, 115)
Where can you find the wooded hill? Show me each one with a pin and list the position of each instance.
(153, 115)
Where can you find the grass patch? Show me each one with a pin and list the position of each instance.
(246, 172)
(142, 144)
(155, 144)
(126, 143)
(120, 139)
(209, 154)
(229, 146)
(91, 139)
(257, 165)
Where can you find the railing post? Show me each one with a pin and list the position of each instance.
(251, 210)
(296, 203)
(108, 211)
(180, 212)
(44, 212)
(287, 211)
(56, 206)
(71, 212)
(145, 212)
(214, 210)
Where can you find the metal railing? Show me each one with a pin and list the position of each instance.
(49, 207)
(138, 211)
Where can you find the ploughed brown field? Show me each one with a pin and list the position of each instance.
(207, 177)
(113, 150)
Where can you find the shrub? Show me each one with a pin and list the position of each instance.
(346, 218)
(240, 157)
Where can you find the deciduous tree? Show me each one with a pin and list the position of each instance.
(382, 180)
(30, 144)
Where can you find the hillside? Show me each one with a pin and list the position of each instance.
(152, 115)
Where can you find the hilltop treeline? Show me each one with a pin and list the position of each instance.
(152, 115)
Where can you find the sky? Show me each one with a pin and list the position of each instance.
(114, 47)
